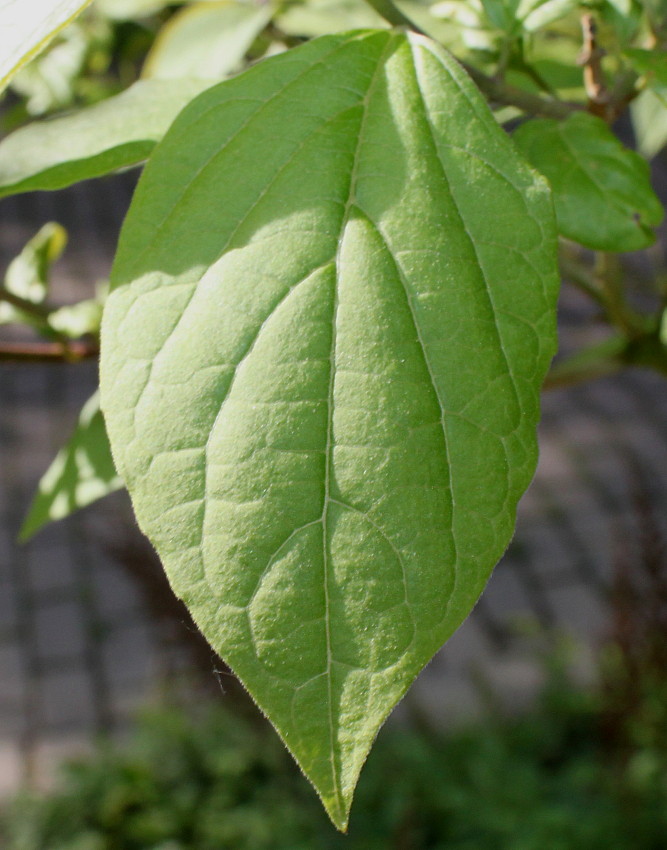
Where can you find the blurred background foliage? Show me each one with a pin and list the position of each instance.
(533, 44)
(573, 774)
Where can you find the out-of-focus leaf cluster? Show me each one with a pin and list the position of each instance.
(549, 779)
(28, 278)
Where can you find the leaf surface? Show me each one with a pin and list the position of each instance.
(332, 309)
(116, 133)
(602, 191)
(27, 26)
(82, 472)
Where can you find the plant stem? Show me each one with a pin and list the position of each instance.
(606, 358)
(605, 286)
(494, 89)
(575, 274)
(620, 314)
(39, 314)
(393, 15)
(48, 352)
(39, 311)
(624, 92)
(599, 361)
(533, 104)
(591, 61)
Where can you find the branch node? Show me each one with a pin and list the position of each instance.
(590, 59)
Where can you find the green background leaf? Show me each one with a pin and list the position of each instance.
(116, 133)
(82, 472)
(207, 40)
(319, 17)
(48, 82)
(649, 121)
(26, 27)
(602, 190)
(332, 309)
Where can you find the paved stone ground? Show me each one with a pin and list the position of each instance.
(89, 631)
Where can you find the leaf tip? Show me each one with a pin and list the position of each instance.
(338, 811)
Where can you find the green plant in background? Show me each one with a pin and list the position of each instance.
(332, 310)
(221, 782)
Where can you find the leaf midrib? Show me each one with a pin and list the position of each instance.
(330, 409)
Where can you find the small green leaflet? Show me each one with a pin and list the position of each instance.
(27, 26)
(602, 191)
(28, 274)
(77, 320)
(113, 134)
(332, 309)
(81, 473)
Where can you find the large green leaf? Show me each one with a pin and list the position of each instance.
(331, 313)
(207, 40)
(602, 190)
(27, 26)
(82, 472)
(116, 133)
